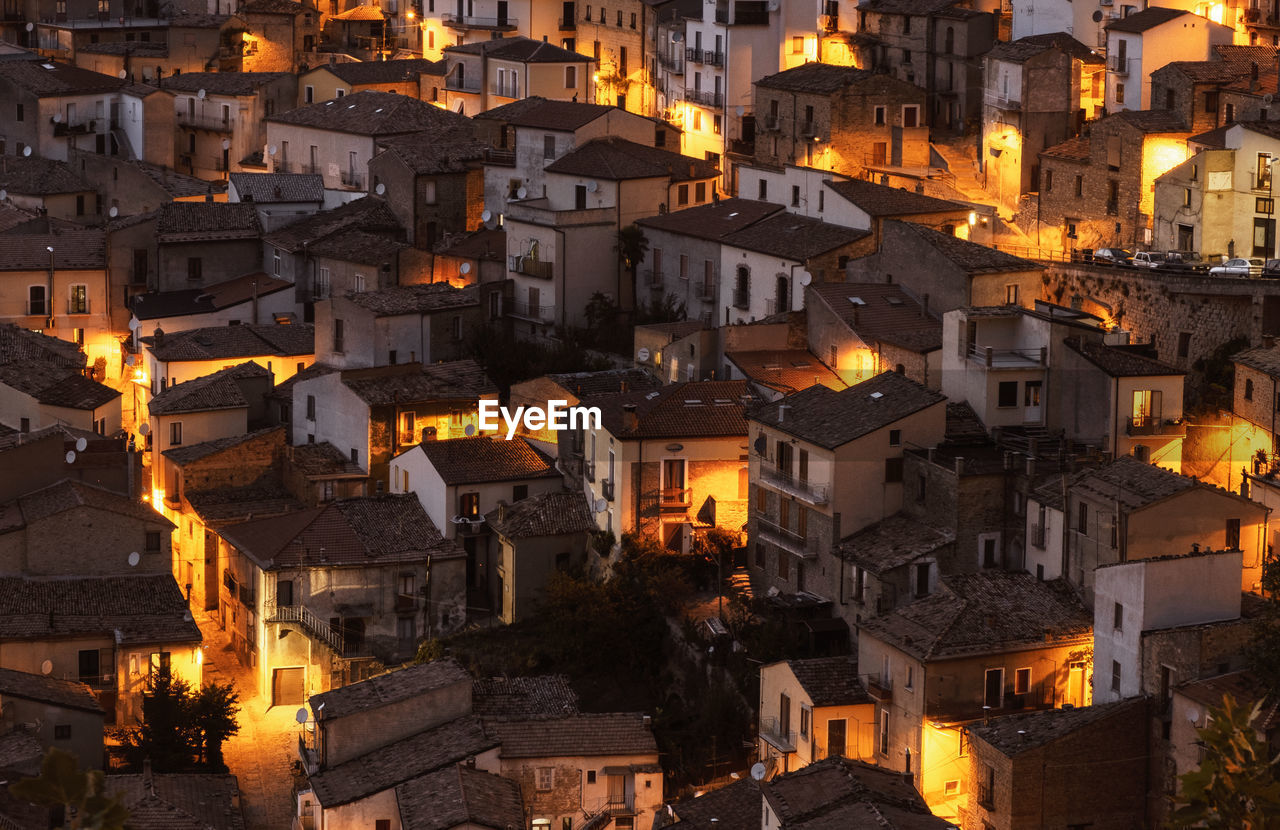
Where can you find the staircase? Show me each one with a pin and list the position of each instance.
(740, 582)
(314, 627)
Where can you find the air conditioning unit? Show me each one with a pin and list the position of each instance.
(1106, 2)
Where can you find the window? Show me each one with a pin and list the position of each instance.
(175, 433)
(309, 94)
(895, 438)
(159, 662)
(1007, 394)
(763, 190)
(571, 77)
(153, 541)
(821, 199)
(591, 776)
(62, 732)
(1048, 181)
(910, 115)
(682, 194)
(195, 268)
(760, 557)
(1117, 617)
(1079, 185)
(1120, 93)
(795, 195)
(893, 471)
(1011, 294)
(1186, 197)
(993, 694)
(633, 20)
(355, 456)
(339, 340)
(469, 504)
(1248, 390)
(806, 715)
(784, 562)
(36, 300)
(884, 732)
(619, 18)
(1022, 681)
(1184, 343)
(359, 283)
(922, 589)
(1115, 675)
(921, 484)
(1082, 517)
(548, 146)
(880, 116)
(1233, 534)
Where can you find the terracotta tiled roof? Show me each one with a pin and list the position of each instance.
(523, 49)
(183, 455)
(540, 114)
(69, 494)
(222, 83)
(74, 248)
(713, 221)
(35, 175)
(179, 801)
(288, 7)
(983, 613)
(142, 609)
(969, 257)
(21, 345)
(830, 681)
(1152, 121)
(448, 149)
(387, 688)
(361, 12)
(367, 213)
(267, 188)
(458, 796)
(1119, 361)
(613, 733)
(356, 245)
(784, 370)
(831, 419)
(887, 314)
(1131, 483)
(618, 159)
(229, 505)
(485, 459)
(891, 543)
(375, 530)
(234, 342)
(401, 761)
(1244, 686)
(206, 221)
(323, 460)
(840, 793)
(57, 385)
(547, 514)
(788, 236)
(359, 73)
(1073, 149)
(373, 113)
(283, 391)
(216, 391)
(700, 409)
(1148, 18)
(523, 697)
(66, 694)
(409, 382)
(1014, 734)
(881, 200)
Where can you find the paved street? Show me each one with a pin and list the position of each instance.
(262, 755)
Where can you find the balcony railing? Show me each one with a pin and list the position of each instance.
(606, 487)
(352, 179)
(504, 90)
(568, 24)
(672, 63)
(1118, 65)
(675, 498)
(1008, 358)
(801, 488)
(530, 267)
(215, 123)
(80, 127)
(468, 21)
(706, 98)
(1154, 425)
(707, 56)
(78, 306)
(589, 470)
(317, 628)
(880, 688)
(830, 23)
(527, 311)
(707, 291)
(653, 278)
(779, 734)
(741, 299)
(462, 84)
(786, 538)
(493, 155)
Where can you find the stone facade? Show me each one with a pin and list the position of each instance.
(429, 206)
(613, 34)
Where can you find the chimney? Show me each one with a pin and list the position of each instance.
(648, 722)
(855, 314)
(959, 466)
(629, 418)
(502, 510)
(159, 336)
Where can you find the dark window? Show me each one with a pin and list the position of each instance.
(682, 194)
(195, 268)
(62, 732)
(311, 406)
(1184, 343)
(1233, 534)
(895, 437)
(1117, 617)
(1007, 393)
(519, 491)
(763, 190)
(1082, 517)
(284, 592)
(892, 470)
(153, 541)
(548, 146)
(339, 340)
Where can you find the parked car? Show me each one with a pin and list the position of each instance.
(1184, 261)
(1148, 259)
(1113, 256)
(1250, 267)
(1271, 268)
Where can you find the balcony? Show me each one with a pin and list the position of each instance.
(800, 488)
(352, 179)
(1008, 358)
(786, 538)
(672, 63)
(462, 84)
(704, 97)
(78, 306)
(534, 313)
(568, 24)
(741, 299)
(809, 129)
(1140, 425)
(312, 625)
(215, 123)
(72, 128)
(1002, 100)
(530, 267)
(830, 23)
(467, 21)
(879, 688)
(707, 292)
(705, 56)
(779, 734)
(675, 498)
(653, 278)
(1118, 65)
(606, 489)
(506, 158)
(589, 470)
(504, 90)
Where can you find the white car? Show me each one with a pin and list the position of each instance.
(1148, 259)
(1251, 267)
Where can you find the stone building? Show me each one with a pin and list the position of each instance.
(281, 34)
(1140, 43)
(1208, 94)
(862, 329)
(433, 182)
(220, 118)
(811, 710)
(1097, 190)
(840, 119)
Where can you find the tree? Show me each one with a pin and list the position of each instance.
(1235, 787)
(213, 712)
(182, 730)
(80, 794)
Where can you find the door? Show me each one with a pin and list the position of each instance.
(879, 153)
(1031, 402)
(210, 571)
(502, 12)
(288, 687)
(1075, 685)
(836, 738)
(783, 296)
(994, 692)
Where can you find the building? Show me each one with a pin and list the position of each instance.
(65, 713)
(864, 329)
(139, 625)
(489, 73)
(1219, 200)
(811, 710)
(425, 323)
(280, 199)
(334, 80)
(1087, 765)
(337, 138)
(198, 244)
(1147, 40)
(1098, 190)
(982, 644)
(282, 36)
(837, 118)
(50, 188)
(534, 538)
(353, 581)
(1017, 122)
(156, 800)
(656, 459)
(177, 357)
(825, 464)
(433, 181)
(220, 117)
(1211, 94)
(1129, 510)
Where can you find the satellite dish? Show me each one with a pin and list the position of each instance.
(271, 151)
(122, 74)
(134, 559)
(469, 430)
(1097, 17)
(520, 194)
(134, 325)
(1193, 715)
(31, 27)
(486, 216)
(757, 771)
(301, 716)
(26, 151)
(144, 428)
(57, 118)
(81, 444)
(114, 212)
(642, 355)
(226, 144)
(47, 666)
(805, 279)
(49, 248)
(465, 268)
(592, 187)
(676, 37)
(601, 505)
(4, 194)
(200, 94)
(71, 456)
(740, 110)
(380, 189)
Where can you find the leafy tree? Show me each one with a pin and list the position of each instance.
(213, 712)
(1235, 787)
(80, 794)
(181, 730)
(1262, 652)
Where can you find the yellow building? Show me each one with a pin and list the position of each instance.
(814, 709)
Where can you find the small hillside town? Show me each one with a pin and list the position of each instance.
(639, 414)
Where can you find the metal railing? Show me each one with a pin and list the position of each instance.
(1002, 100)
(462, 84)
(78, 306)
(706, 98)
(1118, 65)
(707, 56)
(1154, 425)
(81, 127)
(1006, 358)
(493, 155)
(313, 625)
(803, 488)
(707, 291)
(351, 178)
(881, 688)
(676, 497)
(779, 734)
(504, 90)
(741, 298)
(606, 487)
(527, 311)
(468, 21)
(830, 23)
(672, 63)
(207, 122)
